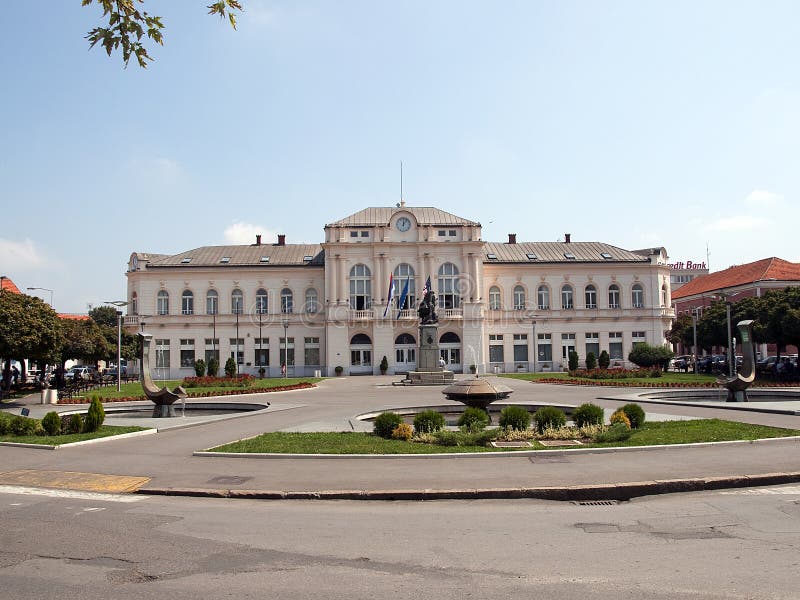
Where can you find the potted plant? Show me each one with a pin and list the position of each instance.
(473, 369)
(338, 370)
(261, 372)
(384, 365)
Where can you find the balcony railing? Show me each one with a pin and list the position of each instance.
(453, 313)
(360, 315)
(408, 313)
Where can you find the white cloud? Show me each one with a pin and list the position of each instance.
(738, 223)
(240, 232)
(258, 13)
(19, 256)
(763, 198)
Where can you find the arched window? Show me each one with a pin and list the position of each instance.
(664, 295)
(405, 338)
(449, 338)
(567, 297)
(312, 304)
(519, 297)
(637, 296)
(237, 302)
(494, 298)
(404, 274)
(543, 297)
(261, 301)
(360, 339)
(187, 303)
(287, 301)
(449, 296)
(212, 302)
(450, 349)
(613, 296)
(162, 302)
(590, 296)
(134, 304)
(360, 287)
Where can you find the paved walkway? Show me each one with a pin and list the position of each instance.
(167, 463)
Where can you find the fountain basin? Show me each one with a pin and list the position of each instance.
(476, 392)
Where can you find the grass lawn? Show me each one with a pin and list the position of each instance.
(134, 389)
(57, 440)
(666, 432)
(666, 378)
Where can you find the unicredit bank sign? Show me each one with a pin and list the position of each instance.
(688, 266)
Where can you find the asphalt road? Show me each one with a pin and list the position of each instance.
(738, 544)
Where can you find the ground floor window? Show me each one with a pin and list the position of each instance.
(261, 358)
(405, 350)
(187, 353)
(162, 354)
(615, 345)
(638, 337)
(544, 350)
(520, 347)
(211, 350)
(237, 350)
(495, 348)
(593, 344)
(311, 351)
(287, 351)
(567, 344)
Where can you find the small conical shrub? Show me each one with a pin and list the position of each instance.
(51, 423)
(95, 416)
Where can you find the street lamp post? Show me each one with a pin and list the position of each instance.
(533, 344)
(285, 324)
(237, 340)
(45, 290)
(119, 304)
(694, 346)
(731, 357)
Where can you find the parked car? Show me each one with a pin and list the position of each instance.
(712, 363)
(680, 363)
(83, 372)
(766, 366)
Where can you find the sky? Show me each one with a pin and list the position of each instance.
(637, 124)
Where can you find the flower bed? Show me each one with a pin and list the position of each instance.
(239, 381)
(208, 394)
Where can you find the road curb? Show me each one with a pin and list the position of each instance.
(611, 491)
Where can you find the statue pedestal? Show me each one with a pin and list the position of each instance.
(428, 371)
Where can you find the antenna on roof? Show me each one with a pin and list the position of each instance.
(708, 260)
(402, 202)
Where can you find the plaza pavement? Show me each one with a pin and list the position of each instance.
(171, 461)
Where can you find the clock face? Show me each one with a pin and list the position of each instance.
(403, 224)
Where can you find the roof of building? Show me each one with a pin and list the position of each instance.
(7, 284)
(264, 255)
(381, 215)
(550, 252)
(767, 269)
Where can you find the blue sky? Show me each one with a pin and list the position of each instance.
(634, 123)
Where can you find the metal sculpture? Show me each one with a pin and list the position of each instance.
(427, 309)
(738, 384)
(162, 397)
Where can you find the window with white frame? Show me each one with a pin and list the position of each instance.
(187, 353)
(237, 350)
(237, 302)
(261, 357)
(615, 345)
(567, 344)
(312, 302)
(162, 354)
(592, 343)
(404, 275)
(212, 302)
(187, 303)
(590, 296)
(162, 302)
(544, 347)
(637, 296)
(638, 337)
(664, 295)
(311, 351)
(494, 298)
(360, 287)
(543, 297)
(613, 296)
(287, 301)
(211, 350)
(449, 292)
(287, 351)
(134, 304)
(495, 348)
(519, 297)
(520, 347)
(567, 298)
(261, 301)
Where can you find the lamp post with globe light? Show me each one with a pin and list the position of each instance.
(119, 304)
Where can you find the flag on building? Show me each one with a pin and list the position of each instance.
(403, 295)
(427, 287)
(390, 295)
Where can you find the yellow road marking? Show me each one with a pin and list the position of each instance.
(70, 480)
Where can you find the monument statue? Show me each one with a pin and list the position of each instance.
(738, 384)
(163, 398)
(427, 309)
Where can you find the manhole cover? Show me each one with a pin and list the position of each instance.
(560, 443)
(520, 444)
(229, 480)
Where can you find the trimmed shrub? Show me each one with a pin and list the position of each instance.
(200, 367)
(515, 417)
(588, 414)
(428, 421)
(384, 365)
(75, 423)
(591, 361)
(385, 423)
(549, 417)
(473, 419)
(616, 433)
(5, 424)
(402, 432)
(573, 360)
(95, 416)
(604, 360)
(645, 355)
(230, 367)
(24, 426)
(619, 417)
(635, 414)
(213, 367)
(462, 438)
(51, 423)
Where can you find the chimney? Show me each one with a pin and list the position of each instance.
(281, 239)
(258, 239)
(566, 238)
(512, 238)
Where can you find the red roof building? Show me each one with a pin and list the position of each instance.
(7, 285)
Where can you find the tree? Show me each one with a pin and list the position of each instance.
(83, 340)
(645, 355)
(29, 329)
(106, 319)
(127, 25)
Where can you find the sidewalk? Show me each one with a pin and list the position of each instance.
(168, 462)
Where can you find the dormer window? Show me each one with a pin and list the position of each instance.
(186, 261)
(308, 258)
(491, 256)
(264, 259)
(225, 260)
(532, 256)
(569, 256)
(606, 255)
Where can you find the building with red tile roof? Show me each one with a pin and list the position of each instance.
(7, 285)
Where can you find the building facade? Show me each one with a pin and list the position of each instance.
(352, 300)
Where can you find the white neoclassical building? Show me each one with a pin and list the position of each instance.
(511, 306)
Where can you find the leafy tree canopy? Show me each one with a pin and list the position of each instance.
(127, 26)
(83, 340)
(29, 328)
